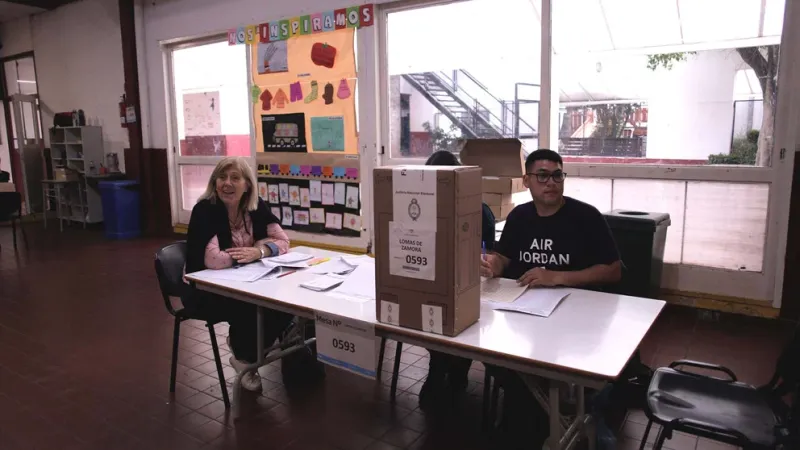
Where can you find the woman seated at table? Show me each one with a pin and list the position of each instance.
(231, 225)
(447, 374)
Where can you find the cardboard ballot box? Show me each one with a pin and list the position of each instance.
(503, 164)
(428, 247)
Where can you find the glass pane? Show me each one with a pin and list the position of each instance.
(212, 103)
(445, 85)
(594, 191)
(656, 82)
(20, 76)
(656, 196)
(726, 225)
(194, 180)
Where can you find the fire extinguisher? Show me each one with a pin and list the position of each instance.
(123, 119)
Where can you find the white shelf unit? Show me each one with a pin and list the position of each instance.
(78, 148)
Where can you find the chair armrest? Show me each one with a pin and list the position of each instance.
(705, 426)
(703, 365)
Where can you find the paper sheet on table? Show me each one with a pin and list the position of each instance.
(322, 282)
(535, 301)
(247, 273)
(335, 265)
(500, 290)
(289, 258)
(359, 285)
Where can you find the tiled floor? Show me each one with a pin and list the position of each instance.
(84, 364)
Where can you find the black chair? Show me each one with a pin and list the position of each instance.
(170, 261)
(724, 409)
(11, 211)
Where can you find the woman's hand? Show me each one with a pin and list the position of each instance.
(244, 255)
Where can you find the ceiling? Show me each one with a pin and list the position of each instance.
(14, 9)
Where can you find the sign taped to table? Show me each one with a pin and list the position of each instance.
(347, 344)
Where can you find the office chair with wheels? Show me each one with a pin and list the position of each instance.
(169, 263)
(724, 409)
(11, 211)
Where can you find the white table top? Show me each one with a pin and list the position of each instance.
(590, 332)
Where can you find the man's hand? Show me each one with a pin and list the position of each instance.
(244, 255)
(540, 276)
(491, 266)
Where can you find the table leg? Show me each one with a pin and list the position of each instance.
(58, 208)
(80, 205)
(555, 417)
(44, 205)
(237, 383)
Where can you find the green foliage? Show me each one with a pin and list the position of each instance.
(743, 151)
(612, 118)
(666, 60)
(441, 139)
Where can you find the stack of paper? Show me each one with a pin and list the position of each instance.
(247, 273)
(500, 290)
(322, 282)
(535, 301)
(336, 265)
(289, 258)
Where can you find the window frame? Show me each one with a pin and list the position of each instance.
(764, 286)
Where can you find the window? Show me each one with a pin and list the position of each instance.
(211, 110)
(657, 82)
(448, 82)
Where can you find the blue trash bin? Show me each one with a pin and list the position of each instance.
(121, 208)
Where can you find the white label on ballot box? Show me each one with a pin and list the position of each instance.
(414, 196)
(412, 252)
(390, 313)
(346, 343)
(432, 319)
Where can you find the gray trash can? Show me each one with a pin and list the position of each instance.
(640, 238)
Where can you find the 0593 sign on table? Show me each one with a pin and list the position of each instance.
(347, 344)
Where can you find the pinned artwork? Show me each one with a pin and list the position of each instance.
(328, 94)
(255, 92)
(273, 57)
(295, 92)
(284, 192)
(276, 211)
(280, 99)
(284, 132)
(327, 194)
(262, 191)
(333, 221)
(351, 200)
(344, 90)
(317, 215)
(272, 194)
(323, 55)
(294, 195)
(314, 94)
(301, 217)
(287, 216)
(352, 222)
(266, 99)
(315, 190)
(339, 193)
(305, 201)
(327, 133)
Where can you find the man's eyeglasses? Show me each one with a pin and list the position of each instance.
(542, 177)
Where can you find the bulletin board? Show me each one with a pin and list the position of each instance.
(304, 116)
(303, 95)
(314, 206)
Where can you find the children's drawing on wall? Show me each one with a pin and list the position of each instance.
(284, 132)
(327, 133)
(272, 57)
(323, 54)
(202, 129)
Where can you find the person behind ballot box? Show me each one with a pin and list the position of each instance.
(551, 241)
(231, 225)
(447, 374)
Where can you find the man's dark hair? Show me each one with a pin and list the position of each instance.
(543, 154)
(442, 158)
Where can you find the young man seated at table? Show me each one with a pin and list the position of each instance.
(552, 241)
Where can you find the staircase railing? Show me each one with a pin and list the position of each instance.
(503, 115)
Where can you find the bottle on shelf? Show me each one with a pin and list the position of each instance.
(92, 169)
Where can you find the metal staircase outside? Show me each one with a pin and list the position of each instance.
(459, 102)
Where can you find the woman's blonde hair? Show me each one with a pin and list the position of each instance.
(249, 200)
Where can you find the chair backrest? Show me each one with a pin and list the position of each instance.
(10, 204)
(170, 261)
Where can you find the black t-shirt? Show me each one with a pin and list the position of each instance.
(574, 238)
(487, 228)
